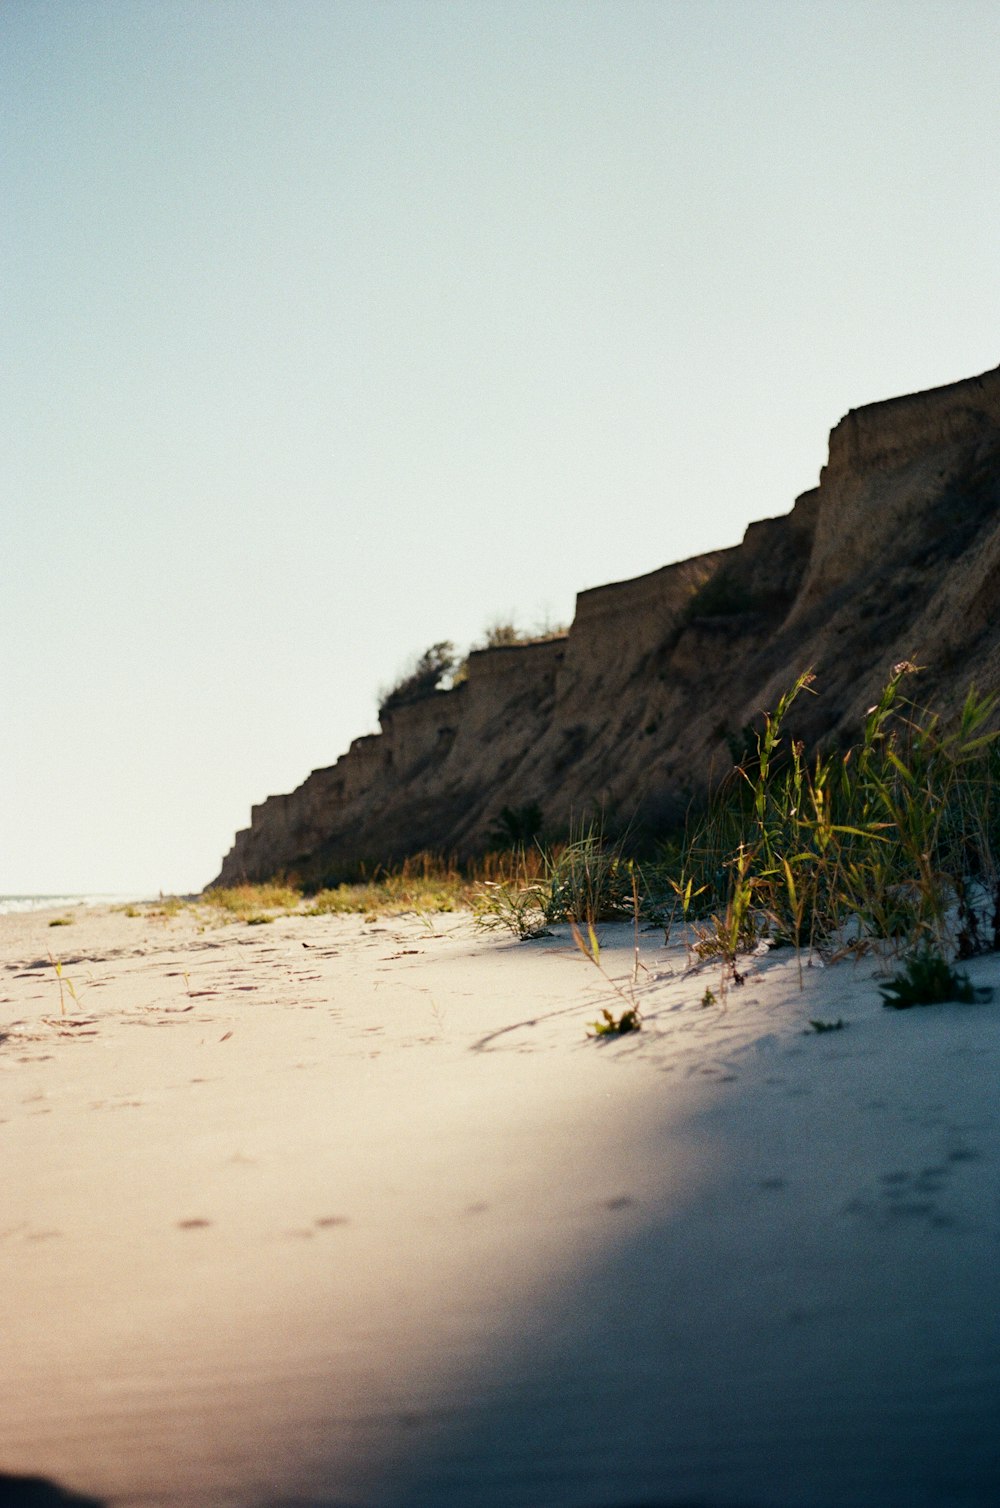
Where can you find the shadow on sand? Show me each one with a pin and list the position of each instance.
(788, 1332)
(36, 1492)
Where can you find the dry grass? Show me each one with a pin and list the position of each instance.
(426, 884)
(423, 885)
(252, 902)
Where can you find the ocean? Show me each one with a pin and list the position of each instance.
(10, 903)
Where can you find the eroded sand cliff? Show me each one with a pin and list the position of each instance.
(896, 554)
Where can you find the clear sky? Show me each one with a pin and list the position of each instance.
(332, 328)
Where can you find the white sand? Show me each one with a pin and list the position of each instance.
(333, 1213)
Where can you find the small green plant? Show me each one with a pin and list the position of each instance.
(828, 1026)
(708, 999)
(685, 896)
(735, 929)
(512, 906)
(589, 880)
(927, 979)
(627, 1020)
(584, 880)
(65, 984)
(611, 1025)
(61, 921)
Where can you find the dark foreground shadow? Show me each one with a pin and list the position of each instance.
(36, 1492)
(313, 1502)
(786, 1332)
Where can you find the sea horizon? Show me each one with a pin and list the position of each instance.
(37, 901)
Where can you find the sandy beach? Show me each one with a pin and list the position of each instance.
(355, 1213)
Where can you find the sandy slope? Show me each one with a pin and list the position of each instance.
(334, 1213)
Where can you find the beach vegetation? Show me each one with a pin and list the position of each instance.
(61, 921)
(166, 907)
(515, 903)
(890, 844)
(926, 979)
(629, 1017)
(424, 884)
(611, 1025)
(66, 985)
(585, 879)
(252, 903)
(887, 843)
(589, 878)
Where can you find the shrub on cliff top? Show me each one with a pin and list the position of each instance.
(503, 634)
(422, 679)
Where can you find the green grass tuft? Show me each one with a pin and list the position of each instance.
(893, 844)
(927, 979)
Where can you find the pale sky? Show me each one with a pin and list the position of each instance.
(330, 330)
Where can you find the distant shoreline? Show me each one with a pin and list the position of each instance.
(15, 903)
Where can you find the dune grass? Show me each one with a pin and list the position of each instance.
(584, 880)
(252, 903)
(425, 885)
(891, 845)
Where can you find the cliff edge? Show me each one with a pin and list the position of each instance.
(895, 555)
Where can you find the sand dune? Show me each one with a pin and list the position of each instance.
(327, 1212)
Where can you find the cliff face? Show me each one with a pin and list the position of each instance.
(895, 555)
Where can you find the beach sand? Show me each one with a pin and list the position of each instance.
(356, 1214)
